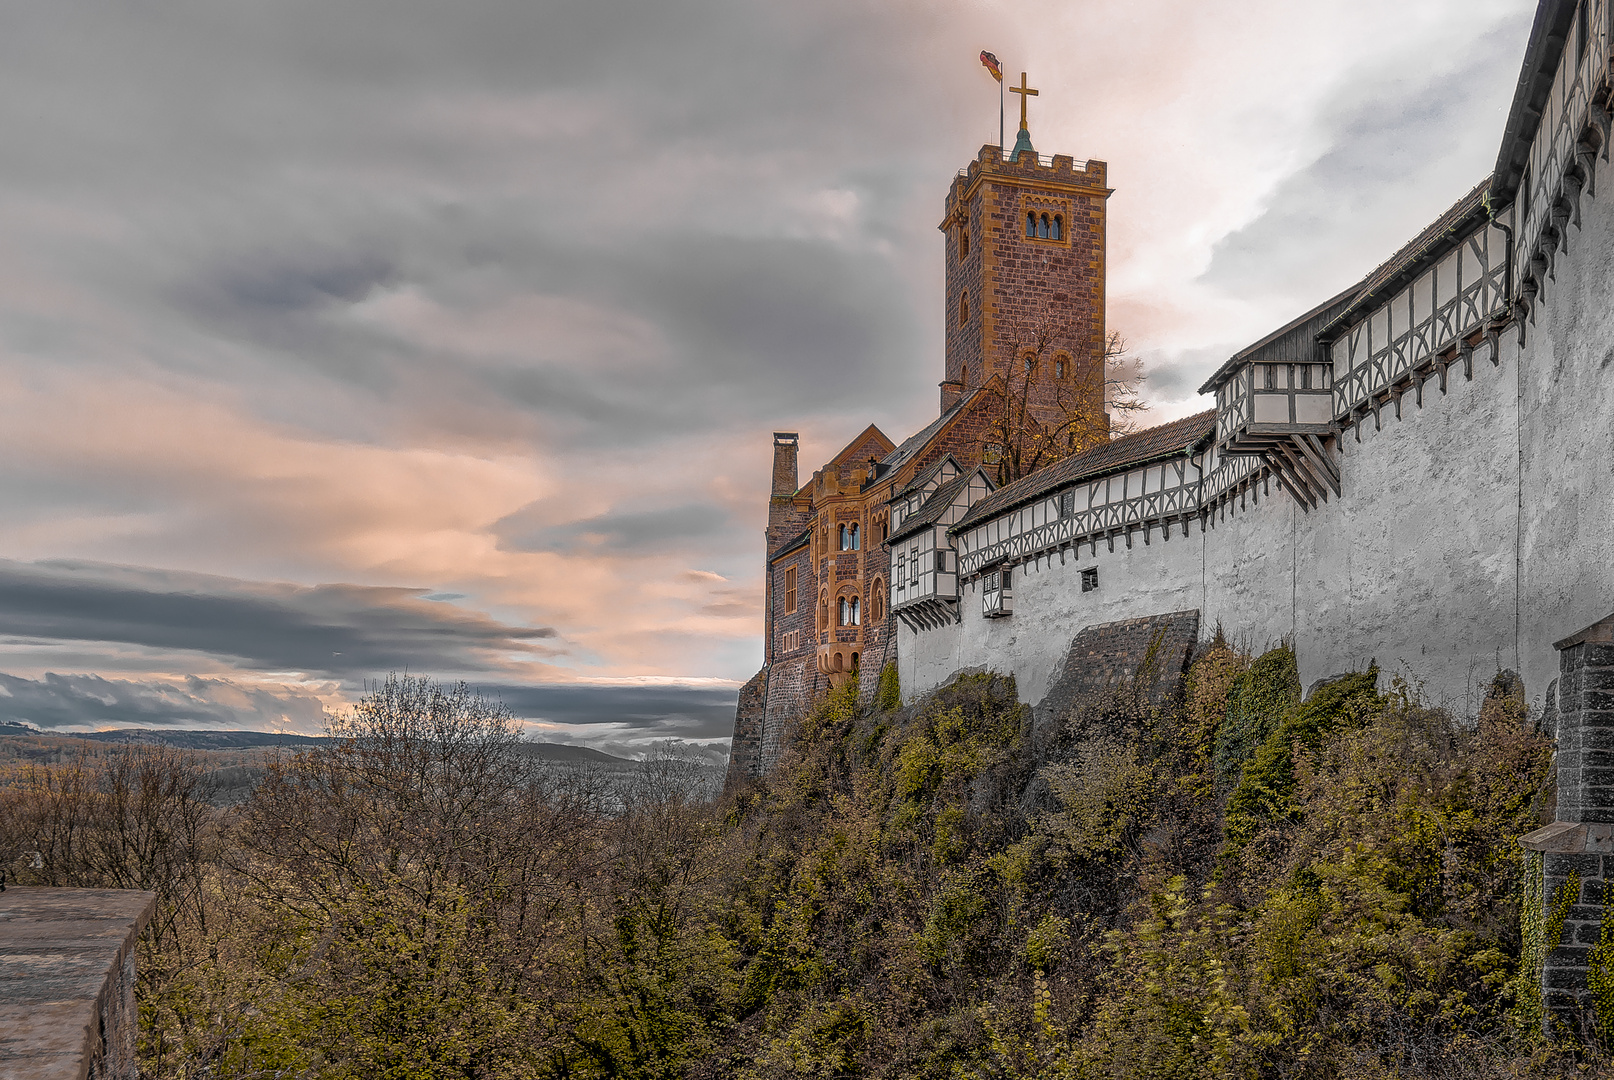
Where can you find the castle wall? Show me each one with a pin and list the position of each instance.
(1566, 393)
(1472, 531)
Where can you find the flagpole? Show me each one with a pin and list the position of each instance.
(1000, 119)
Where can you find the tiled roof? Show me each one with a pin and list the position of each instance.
(919, 439)
(1433, 242)
(934, 507)
(794, 544)
(1117, 454)
(1302, 333)
(924, 475)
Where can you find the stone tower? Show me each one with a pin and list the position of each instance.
(1025, 280)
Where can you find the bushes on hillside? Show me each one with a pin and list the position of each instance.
(1230, 882)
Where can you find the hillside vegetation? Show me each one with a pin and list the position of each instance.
(1231, 882)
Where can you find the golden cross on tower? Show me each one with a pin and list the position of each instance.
(1025, 92)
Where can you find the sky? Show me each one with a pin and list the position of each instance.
(340, 339)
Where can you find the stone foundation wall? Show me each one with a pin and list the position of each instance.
(1577, 851)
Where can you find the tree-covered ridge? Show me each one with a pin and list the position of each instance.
(1231, 881)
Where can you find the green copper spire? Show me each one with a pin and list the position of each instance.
(1022, 145)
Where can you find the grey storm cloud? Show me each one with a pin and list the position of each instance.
(347, 631)
(1381, 125)
(91, 701)
(688, 712)
(335, 154)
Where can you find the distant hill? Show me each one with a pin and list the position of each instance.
(205, 739)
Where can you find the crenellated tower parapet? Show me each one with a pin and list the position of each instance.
(1025, 255)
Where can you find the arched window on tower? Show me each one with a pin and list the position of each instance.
(1042, 227)
(846, 540)
(1058, 230)
(963, 242)
(963, 309)
(1059, 368)
(964, 376)
(876, 601)
(1031, 224)
(857, 538)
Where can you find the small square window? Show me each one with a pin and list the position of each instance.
(1090, 579)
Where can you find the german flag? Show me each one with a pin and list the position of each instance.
(990, 62)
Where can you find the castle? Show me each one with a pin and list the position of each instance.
(1418, 471)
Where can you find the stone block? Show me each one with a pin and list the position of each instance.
(1558, 867)
(1599, 654)
(1598, 679)
(1556, 976)
(1587, 718)
(67, 972)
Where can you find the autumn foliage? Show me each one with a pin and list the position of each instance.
(1233, 882)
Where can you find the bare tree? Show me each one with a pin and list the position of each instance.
(1038, 420)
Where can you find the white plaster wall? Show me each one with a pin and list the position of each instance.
(1565, 383)
(1415, 565)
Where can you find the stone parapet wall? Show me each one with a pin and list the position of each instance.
(67, 982)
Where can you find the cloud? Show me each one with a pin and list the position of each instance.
(346, 631)
(630, 712)
(87, 702)
(619, 532)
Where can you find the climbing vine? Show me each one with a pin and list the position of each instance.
(1600, 974)
(1533, 951)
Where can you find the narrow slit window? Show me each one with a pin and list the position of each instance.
(857, 538)
(963, 242)
(963, 309)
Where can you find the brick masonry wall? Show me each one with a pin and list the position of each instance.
(745, 752)
(1579, 846)
(1102, 657)
(1585, 758)
(1015, 283)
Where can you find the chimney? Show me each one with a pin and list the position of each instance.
(951, 391)
(784, 463)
